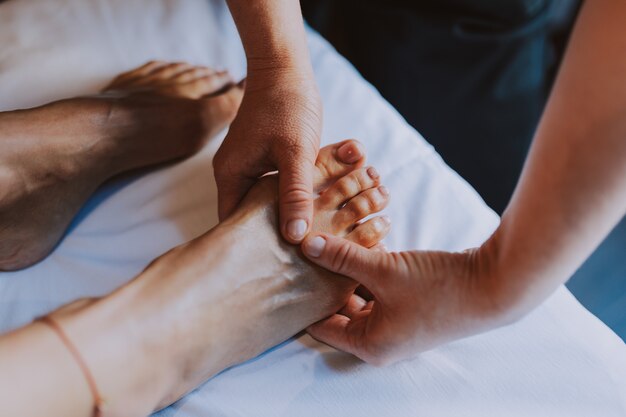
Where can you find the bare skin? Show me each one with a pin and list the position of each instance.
(55, 156)
(280, 121)
(208, 304)
(572, 192)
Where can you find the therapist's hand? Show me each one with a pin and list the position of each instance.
(277, 128)
(418, 300)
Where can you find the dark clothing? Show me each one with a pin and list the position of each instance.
(471, 75)
(504, 11)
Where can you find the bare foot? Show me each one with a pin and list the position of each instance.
(241, 288)
(52, 158)
(224, 297)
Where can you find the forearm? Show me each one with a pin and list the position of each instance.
(573, 188)
(273, 35)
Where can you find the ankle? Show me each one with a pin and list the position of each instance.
(111, 335)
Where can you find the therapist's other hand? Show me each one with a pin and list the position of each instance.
(278, 127)
(418, 299)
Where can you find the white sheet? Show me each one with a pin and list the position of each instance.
(559, 361)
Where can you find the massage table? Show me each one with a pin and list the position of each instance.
(558, 361)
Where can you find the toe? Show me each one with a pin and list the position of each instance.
(194, 73)
(370, 233)
(367, 202)
(335, 161)
(128, 77)
(162, 75)
(210, 85)
(348, 187)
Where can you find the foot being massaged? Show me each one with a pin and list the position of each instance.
(299, 246)
(137, 121)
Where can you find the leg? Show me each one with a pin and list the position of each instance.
(206, 305)
(52, 158)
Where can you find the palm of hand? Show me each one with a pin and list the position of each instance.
(419, 300)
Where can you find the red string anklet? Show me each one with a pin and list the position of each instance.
(97, 399)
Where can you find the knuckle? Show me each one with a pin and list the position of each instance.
(341, 259)
(374, 237)
(347, 186)
(362, 179)
(360, 206)
(375, 201)
(365, 236)
(296, 195)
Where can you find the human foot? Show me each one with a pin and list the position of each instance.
(240, 288)
(177, 79)
(55, 156)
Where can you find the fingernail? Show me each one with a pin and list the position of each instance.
(314, 247)
(383, 190)
(371, 171)
(386, 219)
(296, 229)
(349, 153)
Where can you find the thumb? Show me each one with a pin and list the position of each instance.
(295, 195)
(346, 258)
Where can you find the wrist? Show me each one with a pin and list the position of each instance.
(502, 280)
(272, 33)
(267, 77)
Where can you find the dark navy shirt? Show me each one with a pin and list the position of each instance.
(505, 11)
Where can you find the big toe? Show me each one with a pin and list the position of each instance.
(336, 160)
